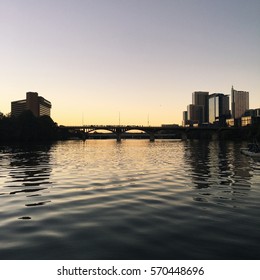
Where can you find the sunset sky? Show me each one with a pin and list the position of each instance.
(140, 59)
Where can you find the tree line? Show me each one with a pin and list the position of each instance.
(26, 127)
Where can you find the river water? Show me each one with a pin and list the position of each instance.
(100, 199)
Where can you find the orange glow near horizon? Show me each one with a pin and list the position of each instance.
(92, 60)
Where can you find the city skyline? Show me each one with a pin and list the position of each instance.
(206, 108)
(140, 60)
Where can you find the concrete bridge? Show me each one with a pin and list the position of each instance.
(180, 132)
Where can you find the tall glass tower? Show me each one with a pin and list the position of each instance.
(218, 107)
(201, 98)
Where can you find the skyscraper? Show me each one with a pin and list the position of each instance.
(185, 118)
(36, 104)
(218, 107)
(195, 114)
(239, 103)
(201, 98)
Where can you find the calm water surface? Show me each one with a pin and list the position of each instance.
(130, 200)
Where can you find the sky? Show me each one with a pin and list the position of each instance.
(133, 62)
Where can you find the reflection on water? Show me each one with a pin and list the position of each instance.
(220, 168)
(25, 170)
(130, 200)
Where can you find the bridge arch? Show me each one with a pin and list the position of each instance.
(96, 129)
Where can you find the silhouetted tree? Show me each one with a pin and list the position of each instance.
(27, 127)
(47, 128)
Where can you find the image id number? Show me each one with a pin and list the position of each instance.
(159, 270)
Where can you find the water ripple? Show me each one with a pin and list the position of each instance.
(129, 200)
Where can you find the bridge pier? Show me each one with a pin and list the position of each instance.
(118, 137)
(83, 135)
(152, 137)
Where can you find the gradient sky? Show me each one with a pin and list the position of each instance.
(142, 59)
